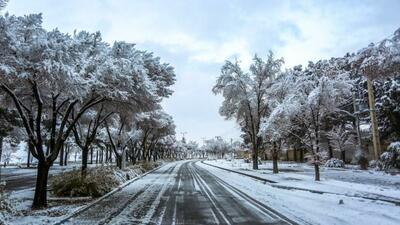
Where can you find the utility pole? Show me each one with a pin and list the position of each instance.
(374, 122)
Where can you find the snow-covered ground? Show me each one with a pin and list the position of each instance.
(23, 178)
(58, 207)
(194, 191)
(350, 182)
(310, 207)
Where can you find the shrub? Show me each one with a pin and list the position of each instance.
(376, 164)
(146, 166)
(335, 163)
(391, 158)
(7, 206)
(97, 182)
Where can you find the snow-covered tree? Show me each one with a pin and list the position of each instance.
(282, 102)
(377, 61)
(217, 147)
(3, 4)
(154, 125)
(313, 94)
(8, 123)
(388, 107)
(391, 158)
(53, 79)
(342, 138)
(85, 132)
(44, 65)
(245, 96)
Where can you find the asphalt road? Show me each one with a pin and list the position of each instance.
(179, 193)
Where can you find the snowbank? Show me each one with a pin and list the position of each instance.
(341, 181)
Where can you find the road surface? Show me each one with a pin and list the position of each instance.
(179, 193)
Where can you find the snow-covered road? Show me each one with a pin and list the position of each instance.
(191, 192)
(180, 193)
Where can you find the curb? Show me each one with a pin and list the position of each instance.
(117, 189)
(244, 174)
(276, 185)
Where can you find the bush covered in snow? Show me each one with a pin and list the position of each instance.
(376, 164)
(391, 158)
(146, 166)
(7, 206)
(97, 182)
(333, 162)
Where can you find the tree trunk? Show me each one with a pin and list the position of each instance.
(275, 159)
(106, 151)
(30, 148)
(1, 151)
(154, 157)
(85, 153)
(316, 168)
(91, 155)
(295, 154)
(343, 156)
(255, 158)
(97, 157)
(316, 157)
(40, 198)
(301, 154)
(118, 159)
(374, 122)
(62, 156)
(28, 160)
(66, 155)
(330, 151)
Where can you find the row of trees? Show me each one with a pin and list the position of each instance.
(304, 107)
(219, 148)
(77, 89)
(212, 148)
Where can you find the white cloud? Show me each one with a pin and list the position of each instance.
(197, 36)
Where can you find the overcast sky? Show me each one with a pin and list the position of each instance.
(197, 36)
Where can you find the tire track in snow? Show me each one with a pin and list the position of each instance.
(266, 210)
(112, 199)
(146, 204)
(220, 218)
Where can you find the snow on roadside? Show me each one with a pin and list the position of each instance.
(58, 207)
(307, 207)
(293, 178)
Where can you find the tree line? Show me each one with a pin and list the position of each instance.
(318, 107)
(63, 90)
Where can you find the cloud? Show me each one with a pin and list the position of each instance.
(197, 36)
